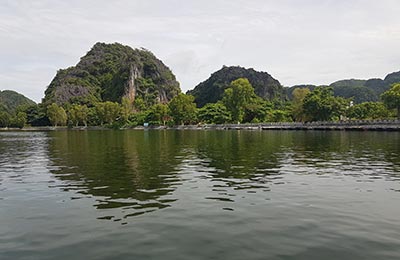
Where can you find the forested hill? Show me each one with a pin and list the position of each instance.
(359, 90)
(109, 72)
(211, 90)
(10, 100)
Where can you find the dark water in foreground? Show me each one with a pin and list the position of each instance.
(199, 195)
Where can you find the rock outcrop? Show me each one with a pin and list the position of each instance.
(109, 72)
(211, 90)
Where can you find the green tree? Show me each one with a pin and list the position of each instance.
(298, 96)
(158, 114)
(78, 114)
(56, 115)
(237, 96)
(126, 109)
(257, 111)
(391, 98)
(183, 109)
(107, 112)
(139, 104)
(279, 116)
(36, 115)
(368, 110)
(19, 120)
(321, 105)
(214, 113)
(5, 119)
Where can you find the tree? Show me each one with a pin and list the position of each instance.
(321, 105)
(56, 115)
(107, 112)
(368, 110)
(183, 109)
(5, 119)
(126, 109)
(158, 114)
(19, 120)
(78, 114)
(214, 113)
(36, 115)
(237, 96)
(298, 96)
(279, 116)
(391, 98)
(257, 111)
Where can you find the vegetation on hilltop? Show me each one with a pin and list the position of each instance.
(359, 90)
(116, 86)
(109, 72)
(212, 90)
(10, 100)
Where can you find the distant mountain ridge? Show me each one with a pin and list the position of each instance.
(10, 100)
(212, 89)
(109, 72)
(358, 89)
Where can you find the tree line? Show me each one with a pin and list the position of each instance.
(239, 104)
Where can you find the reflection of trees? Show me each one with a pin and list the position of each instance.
(343, 151)
(241, 159)
(20, 151)
(262, 155)
(239, 154)
(131, 169)
(138, 170)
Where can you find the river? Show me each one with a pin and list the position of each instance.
(194, 194)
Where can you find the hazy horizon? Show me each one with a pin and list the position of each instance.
(297, 42)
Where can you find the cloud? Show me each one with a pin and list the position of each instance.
(295, 41)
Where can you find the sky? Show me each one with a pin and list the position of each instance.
(296, 41)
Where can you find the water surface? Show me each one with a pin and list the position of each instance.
(199, 195)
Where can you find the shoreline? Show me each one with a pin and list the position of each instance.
(359, 125)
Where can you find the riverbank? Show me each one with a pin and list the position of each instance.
(359, 125)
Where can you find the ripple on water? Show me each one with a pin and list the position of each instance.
(222, 195)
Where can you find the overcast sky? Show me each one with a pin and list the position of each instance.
(298, 41)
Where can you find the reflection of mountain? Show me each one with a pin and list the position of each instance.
(260, 158)
(133, 170)
(240, 154)
(346, 153)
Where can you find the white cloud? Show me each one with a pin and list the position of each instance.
(295, 41)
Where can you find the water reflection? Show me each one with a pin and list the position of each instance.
(133, 171)
(140, 171)
(20, 151)
(251, 195)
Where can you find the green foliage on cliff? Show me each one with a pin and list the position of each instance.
(11, 100)
(392, 98)
(109, 72)
(212, 90)
(358, 90)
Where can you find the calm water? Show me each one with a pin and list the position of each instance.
(199, 195)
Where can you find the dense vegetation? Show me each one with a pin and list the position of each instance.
(359, 90)
(11, 100)
(116, 86)
(109, 72)
(239, 104)
(212, 90)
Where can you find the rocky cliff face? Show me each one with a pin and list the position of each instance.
(109, 72)
(211, 90)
